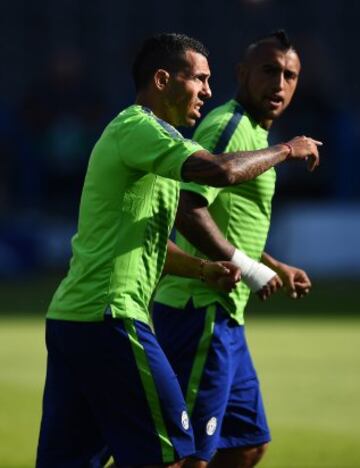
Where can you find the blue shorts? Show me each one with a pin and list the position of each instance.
(110, 389)
(208, 351)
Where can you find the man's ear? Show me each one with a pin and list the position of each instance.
(161, 78)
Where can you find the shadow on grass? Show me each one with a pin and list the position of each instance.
(335, 298)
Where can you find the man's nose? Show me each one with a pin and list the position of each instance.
(279, 82)
(206, 91)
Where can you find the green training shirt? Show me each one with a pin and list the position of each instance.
(242, 212)
(127, 210)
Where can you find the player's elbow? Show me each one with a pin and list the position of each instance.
(185, 219)
(220, 174)
(225, 176)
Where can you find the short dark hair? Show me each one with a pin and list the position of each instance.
(280, 36)
(166, 50)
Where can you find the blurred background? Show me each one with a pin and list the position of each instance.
(65, 72)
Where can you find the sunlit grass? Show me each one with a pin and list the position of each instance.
(22, 364)
(309, 370)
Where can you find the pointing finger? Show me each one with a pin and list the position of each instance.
(317, 142)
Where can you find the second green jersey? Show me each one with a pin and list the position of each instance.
(127, 210)
(242, 212)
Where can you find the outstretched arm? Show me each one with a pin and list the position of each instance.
(220, 275)
(232, 168)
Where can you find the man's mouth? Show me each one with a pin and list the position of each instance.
(197, 108)
(275, 100)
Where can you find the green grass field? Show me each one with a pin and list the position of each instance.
(22, 364)
(309, 366)
(309, 370)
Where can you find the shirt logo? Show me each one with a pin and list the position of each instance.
(211, 426)
(185, 420)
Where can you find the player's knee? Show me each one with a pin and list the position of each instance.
(177, 464)
(246, 457)
(195, 463)
(260, 452)
(250, 456)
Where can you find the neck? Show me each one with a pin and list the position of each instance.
(254, 114)
(146, 99)
(143, 99)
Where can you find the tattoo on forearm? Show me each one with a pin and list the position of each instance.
(231, 168)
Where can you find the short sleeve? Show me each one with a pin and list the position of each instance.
(207, 133)
(149, 144)
(218, 132)
(207, 192)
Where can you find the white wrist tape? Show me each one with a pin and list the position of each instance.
(254, 274)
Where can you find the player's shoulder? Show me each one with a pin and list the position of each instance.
(142, 120)
(229, 112)
(124, 122)
(223, 126)
(221, 112)
(132, 115)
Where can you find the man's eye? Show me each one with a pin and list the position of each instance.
(270, 70)
(201, 78)
(290, 75)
